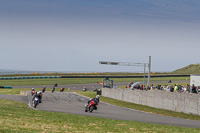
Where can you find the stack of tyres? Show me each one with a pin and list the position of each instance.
(7, 87)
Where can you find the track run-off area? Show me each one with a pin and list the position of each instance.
(72, 103)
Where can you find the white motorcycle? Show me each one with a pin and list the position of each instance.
(35, 102)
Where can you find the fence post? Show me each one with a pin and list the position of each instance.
(122, 95)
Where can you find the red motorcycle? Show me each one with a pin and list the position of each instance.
(91, 106)
(32, 92)
(62, 89)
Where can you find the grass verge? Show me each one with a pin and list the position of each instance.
(17, 117)
(68, 81)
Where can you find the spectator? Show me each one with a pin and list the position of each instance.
(188, 88)
(167, 88)
(152, 87)
(171, 88)
(141, 88)
(148, 88)
(175, 87)
(130, 84)
(158, 87)
(138, 86)
(115, 87)
(194, 90)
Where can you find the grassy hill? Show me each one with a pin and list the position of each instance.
(190, 69)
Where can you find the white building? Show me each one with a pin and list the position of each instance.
(195, 79)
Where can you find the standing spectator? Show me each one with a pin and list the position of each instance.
(194, 90)
(152, 86)
(115, 87)
(171, 88)
(167, 88)
(141, 87)
(130, 84)
(148, 88)
(158, 87)
(188, 88)
(138, 86)
(175, 87)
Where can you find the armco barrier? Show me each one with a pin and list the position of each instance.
(174, 101)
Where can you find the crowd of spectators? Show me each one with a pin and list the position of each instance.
(169, 88)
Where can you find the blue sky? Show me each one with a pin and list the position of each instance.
(74, 35)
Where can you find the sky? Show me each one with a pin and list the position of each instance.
(74, 35)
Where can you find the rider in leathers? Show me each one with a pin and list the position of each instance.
(96, 99)
(38, 94)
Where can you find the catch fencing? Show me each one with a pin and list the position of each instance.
(174, 101)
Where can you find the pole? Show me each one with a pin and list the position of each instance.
(149, 73)
(144, 76)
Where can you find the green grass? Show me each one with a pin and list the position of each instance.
(93, 74)
(142, 107)
(17, 117)
(190, 69)
(68, 81)
(18, 90)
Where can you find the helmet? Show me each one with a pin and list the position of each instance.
(32, 88)
(97, 97)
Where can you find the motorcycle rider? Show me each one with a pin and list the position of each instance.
(62, 89)
(38, 94)
(32, 91)
(53, 89)
(96, 100)
(43, 90)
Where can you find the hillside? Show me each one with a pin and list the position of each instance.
(190, 69)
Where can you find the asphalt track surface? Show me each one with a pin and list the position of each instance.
(72, 103)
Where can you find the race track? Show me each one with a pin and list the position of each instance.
(69, 102)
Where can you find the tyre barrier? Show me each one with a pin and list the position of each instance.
(7, 87)
(29, 77)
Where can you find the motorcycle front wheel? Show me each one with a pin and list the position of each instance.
(91, 108)
(35, 104)
(86, 110)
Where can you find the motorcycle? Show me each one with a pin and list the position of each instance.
(91, 106)
(62, 89)
(35, 102)
(53, 90)
(32, 92)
